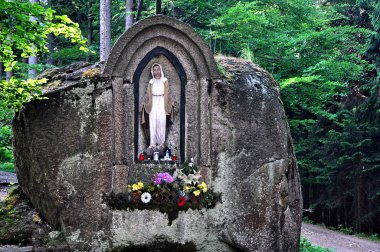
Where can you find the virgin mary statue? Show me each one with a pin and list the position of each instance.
(157, 107)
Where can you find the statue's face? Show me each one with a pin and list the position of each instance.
(157, 72)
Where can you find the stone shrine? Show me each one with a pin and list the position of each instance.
(85, 140)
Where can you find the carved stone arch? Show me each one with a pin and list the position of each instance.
(188, 61)
(154, 27)
(193, 65)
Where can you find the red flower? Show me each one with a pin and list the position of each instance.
(181, 201)
(136, 197)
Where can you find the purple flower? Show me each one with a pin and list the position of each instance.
(160, 177)
(157, 180)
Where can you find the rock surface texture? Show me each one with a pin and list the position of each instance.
(83, 140)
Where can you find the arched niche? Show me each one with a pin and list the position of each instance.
(191, 69)
(176, 137)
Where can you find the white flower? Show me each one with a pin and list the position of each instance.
(176, 173)
(146, 197)
(192, 178)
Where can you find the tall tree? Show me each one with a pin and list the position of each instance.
(32, 61)
(129, 8)
(139, 9)
(89, 26)
(50, 46)
(105, 29)
(1, 70)
(158, 7)
(8, 75)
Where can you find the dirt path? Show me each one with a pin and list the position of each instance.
(340, 242)
(5, 179)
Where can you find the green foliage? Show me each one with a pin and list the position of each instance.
(20, 224)
(56, 241)
(221, 69)
(305, 246)
(374, 237)
(7, 167)
(22, 36)
(5, 137)
(15, 92)
(308, 97)
(6, 154)
(189, 169)
(291, 38)
(336, 129)
(24, 28)
(67, 55)
(10, 219)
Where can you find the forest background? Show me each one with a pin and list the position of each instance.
(325, 54)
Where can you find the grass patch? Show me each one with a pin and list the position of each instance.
(21, 225)
(13, 230)
(7, 167)
(55, 240)
(306, 246)
(373, 237)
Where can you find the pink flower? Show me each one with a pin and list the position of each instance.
(159, 177)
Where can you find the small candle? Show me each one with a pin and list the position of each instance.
(174, 157)
(156, 156)
(141, 157)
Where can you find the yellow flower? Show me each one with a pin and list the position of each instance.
(188, 188)
(197, 192)
(203, 187)
(140, 185)
(135, 187)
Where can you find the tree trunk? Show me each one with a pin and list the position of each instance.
(8, 75)
(32, 73)
(158, 7)
(1, 67)
(345, 211)
(1, 70)
(50, 59)
(105, 29)
(129, 14)
(139, 10)
(89, 24)
(32, 61)
(358, 199)
(89, 28)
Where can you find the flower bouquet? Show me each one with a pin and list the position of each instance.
(168, 193)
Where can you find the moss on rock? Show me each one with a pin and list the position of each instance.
(20, 224)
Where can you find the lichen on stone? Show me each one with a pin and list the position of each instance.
(91, 73)
(54, 84)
